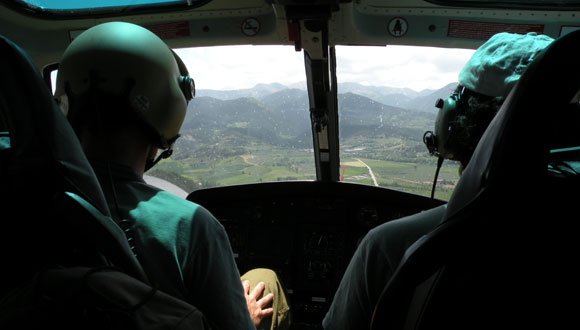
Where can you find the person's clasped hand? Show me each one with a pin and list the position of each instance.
(257, 307)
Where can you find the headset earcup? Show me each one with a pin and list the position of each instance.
(186, 83)
(445, 127)
(187, 86)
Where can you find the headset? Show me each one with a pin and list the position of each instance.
(459, 125)
(443, 141)
(186, 83)
(187, 86)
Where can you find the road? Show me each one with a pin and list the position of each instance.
(370, 172)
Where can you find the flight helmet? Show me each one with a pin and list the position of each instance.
(484, 82)
(126, 62)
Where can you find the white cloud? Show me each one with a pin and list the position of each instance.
(235, 67)
(417, 68)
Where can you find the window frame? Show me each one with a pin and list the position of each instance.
(56, 14)
(572, 5)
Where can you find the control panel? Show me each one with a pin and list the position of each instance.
(305, 231)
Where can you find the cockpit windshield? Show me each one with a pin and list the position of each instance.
(386, 103)
(250, 120)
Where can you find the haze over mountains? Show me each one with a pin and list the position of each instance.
(397, 97)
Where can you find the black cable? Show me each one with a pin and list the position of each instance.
(113, 191)
(121, 220)
(152, 162)
(439, 163)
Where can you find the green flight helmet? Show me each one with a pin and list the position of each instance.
(128, 61)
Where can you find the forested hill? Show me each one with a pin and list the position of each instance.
(280, 116)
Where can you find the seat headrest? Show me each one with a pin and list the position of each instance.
(35, 137)
(513, 152)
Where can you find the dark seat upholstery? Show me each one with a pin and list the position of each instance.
(504, 255)
(65, 263)
(53, 209)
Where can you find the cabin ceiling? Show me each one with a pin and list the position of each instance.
(261, 22)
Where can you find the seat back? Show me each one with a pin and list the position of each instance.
(65, 262)
(42, 166)
(502, 255)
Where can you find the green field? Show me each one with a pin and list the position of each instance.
(410, 177)
(287, 164)
(256, 166)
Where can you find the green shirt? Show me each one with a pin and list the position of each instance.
(183, 249)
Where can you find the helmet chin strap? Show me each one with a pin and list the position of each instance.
(152, 162)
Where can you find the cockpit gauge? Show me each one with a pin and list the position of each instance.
(368, 215)
(318, 242)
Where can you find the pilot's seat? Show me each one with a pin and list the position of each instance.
(44, 172)
(56, 235)
(504, 255)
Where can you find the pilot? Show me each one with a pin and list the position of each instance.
(125, 93)
(484, 82)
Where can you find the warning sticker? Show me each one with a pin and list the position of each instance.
(250, 27)
(170, 30)
(484, 30)
(398, 27)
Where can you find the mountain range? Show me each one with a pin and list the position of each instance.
(272, 123)
(397, 97)
(222, 123)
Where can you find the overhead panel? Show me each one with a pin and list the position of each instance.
(424, 23)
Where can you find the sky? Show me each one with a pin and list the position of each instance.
(238, 67)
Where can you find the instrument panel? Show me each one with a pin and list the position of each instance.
(305, 231)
